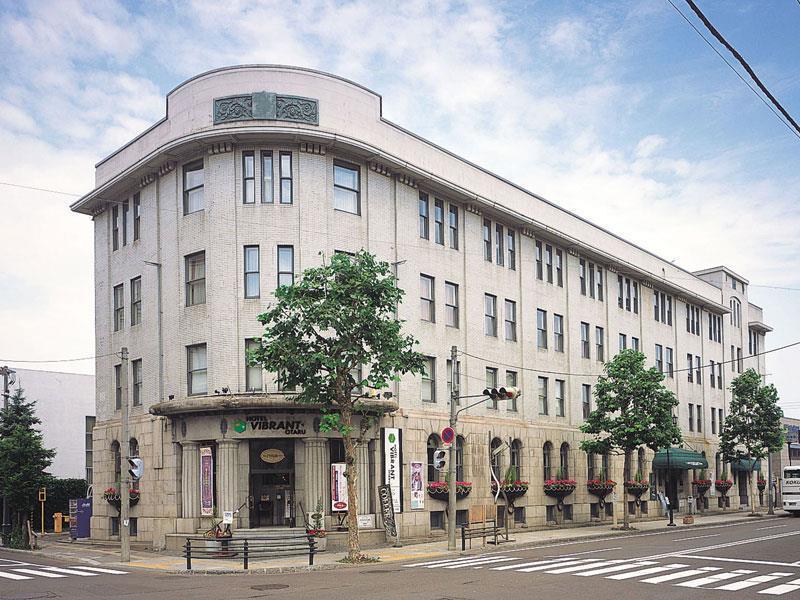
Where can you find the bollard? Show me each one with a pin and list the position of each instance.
(246, 557)
(188, 554)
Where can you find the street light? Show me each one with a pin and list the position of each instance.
(669, 477)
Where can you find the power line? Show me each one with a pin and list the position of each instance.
(57, 360)
(38, 189)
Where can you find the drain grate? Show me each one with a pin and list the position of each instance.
(269, 586)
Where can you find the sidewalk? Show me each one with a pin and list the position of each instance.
(107, 554)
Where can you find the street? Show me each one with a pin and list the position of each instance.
(751, 559)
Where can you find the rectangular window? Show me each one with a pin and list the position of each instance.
(719, 376)
(699, 418)
(543, 395)
(498, 243)
(196, 370)
(438, 221)
(195, 278)
(623, 342)
(541, 328)
(248, 177)
(490, 315)
(635, 298)
(253, 374)
(285, 265)
(136, 368)
(634, 343)
(511, 320)
(427, 304)
(586, 399)
(670, 365)
(621, 294)
(136, 300)
(286, 178)
(346, 188)
(559, 275)
(712, 378)
(585, 348)
(491, 383)
(119, 307)
(137, 216)
(511, 248)
(428, 388)
(558, 333)
(117, 387)
(539, 262)
(424, 216)
(267, 175)
(582, 276)
(125, 223)
(560, 397)
(599, 336)
(733, 359)
(690, 369)
(548, 261)
(600, 284)
(656, 311)
(698, 370)
(660, 358)
(591, 280)
(691, 417)
(193, 187)
(738, 360)
(511, 381)
(252, 272)
(451, 304)
(713, 420)
(453, 226)
(115, 227)
(487, 240)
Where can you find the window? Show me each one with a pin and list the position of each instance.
(591, 466)
(453, 223)
(193, 187)
(253, 375)
(267, 170)
(487, 239)
(496, 457)
(117, 458)
(564, 461)
(511, 320)
(689, 372)
(600, 284)
(515, 454)
(560, 397)
(196, 369)
(693, 319)
(660, 358)
(670, 365)
(285, 265)
(427, 302)
(428, 387)
(125, 223)
(88, 445)
(635, 298)
(713, 380)
(451, 304)
(585, 340)
(543, 395)
(491, 383)
(591, 280)
(252, 278)
(736, 311)
(547, 460)
(621, 293)
(640, 469)
(599, 336)
(713, 420)
(586, 399)
(558, 333)
(738, 360)
(634, 343)
(137, 216)
(511, 381)
(548, 261)
(662, 307)
(719, 375)
(490, 315)
(691, 417)
(115, 227)
(433, 445)
(623, 342)
(195, 278)
(346, 183)
(423, 216)
(498, 243)
(136, 300)
(286, 177)
(136, 368)
(119, 307)
(459, 458)
(715, 328)
(699, 418)
(511, 248)
(559, 276)
(539, 264)
(117, 387)
(541, 328)
(582, 276)
(733, 357)
(698, 369)
(248, 178)
(438, 221)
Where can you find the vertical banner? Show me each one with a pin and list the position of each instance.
(206, 482)
(417, 486)
(339, 499)
(387, 510)
(393, 465)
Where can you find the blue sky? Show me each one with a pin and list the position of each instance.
(615, 110)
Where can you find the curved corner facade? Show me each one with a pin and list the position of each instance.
(254, 174)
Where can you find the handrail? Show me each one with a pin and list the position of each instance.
(266, 546)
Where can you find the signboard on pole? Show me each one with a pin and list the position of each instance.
(393, 465)
(339, 499)
(417, 486)
(387, 510)
(206, 482)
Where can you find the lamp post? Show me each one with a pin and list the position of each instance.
(669, 478)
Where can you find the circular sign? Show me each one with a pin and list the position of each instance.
(239, 426)
(339, 505)
(448, 435)
(272, 455)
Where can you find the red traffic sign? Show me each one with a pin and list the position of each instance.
(448, 435)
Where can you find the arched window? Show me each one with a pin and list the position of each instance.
(117, 461)
(591, 466)
(433, 445)
(497, 466)
(640, 468)
(460, 458)
(133, 447)
(606, 470)
(736, 312)
(516, 459)
(547, 460)
(564, 465)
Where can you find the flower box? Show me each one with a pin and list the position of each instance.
(601, 489)
(701, 486)
(637, 488)
(723, 485)
(511, 489)
(440, 490)
(761, 484)
(112, 496)
(559, 488)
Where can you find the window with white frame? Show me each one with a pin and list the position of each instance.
(287, 193)
(427, 302)
(660, 358)
(115, 227)
(498, 244)
(599, 335)
(491, 383)
(670, 364)
(117, 387)
(428, 386)
(267, 178)
(119, 307)
(539, 261)
(490, 315)
(195, 268)
(511, 381)
(196, 370)
(137, 216)
(586, 399)
(248, 177)
(585, 348)
(438, 221)
(285, 265)
(252, 272)
(543, 384)
(541, 328)
(558, 333)
(136, 371)
(510, 316)
(424, 216)
(451, 304)
(193, 187)
(560, 387)
(511, 248)
(346, 184)
(253, 374)
(453, 226)
(487, 240)
(559, 273)
(136, 301)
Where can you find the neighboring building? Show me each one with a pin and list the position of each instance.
(65, 403)
(256, 170)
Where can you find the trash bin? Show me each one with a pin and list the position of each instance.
(58, 519)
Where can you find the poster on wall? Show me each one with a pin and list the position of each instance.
(206, 482)
(417, 485)
(339, 500)
(393, 465)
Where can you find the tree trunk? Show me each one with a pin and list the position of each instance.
(752, 482)
(351, 474)
(626, 469)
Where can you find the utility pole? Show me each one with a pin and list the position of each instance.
(125, 450)
(7, 373)
(770, 510)
(451, 484)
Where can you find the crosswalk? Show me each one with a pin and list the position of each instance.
(680, 574)
(21, 571)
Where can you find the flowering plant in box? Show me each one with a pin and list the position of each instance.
(723, 485)
(637, 487)
(440, 489)
(559, 488)
(761, 483)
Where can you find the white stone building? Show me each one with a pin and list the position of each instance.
(252, 173)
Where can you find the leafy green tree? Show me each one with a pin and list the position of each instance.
(633, 409)
(336, 321)
(753, 426)
(23, 458)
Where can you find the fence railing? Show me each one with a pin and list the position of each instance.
(247, 549)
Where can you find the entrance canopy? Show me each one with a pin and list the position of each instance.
(679, 458)
(745, 464)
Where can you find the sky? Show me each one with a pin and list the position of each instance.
(618, 111)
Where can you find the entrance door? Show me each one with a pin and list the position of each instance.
(672, 488)
(271, 483)
(741, 478)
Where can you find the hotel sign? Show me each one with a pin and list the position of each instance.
(270, 424)
(393, 465)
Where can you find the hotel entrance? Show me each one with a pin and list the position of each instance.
(271, 499)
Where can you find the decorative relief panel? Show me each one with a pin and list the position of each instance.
(233, 108)
(266, 106)
(295, 108)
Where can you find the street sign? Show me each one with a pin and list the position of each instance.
(448, 435)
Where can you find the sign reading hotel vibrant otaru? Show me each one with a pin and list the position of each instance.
(206, 482)
(269, 423)
(393, 465)
(339, 499)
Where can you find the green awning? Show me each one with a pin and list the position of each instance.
(679, 458)
(745, 464)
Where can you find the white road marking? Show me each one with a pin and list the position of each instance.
(70, 571)
(5, 575)
(543, 567)
(552, 562)
(695, 583)
(723, 545)
(445, 561)
(592, 551)
(573, 568)
(482, 561)
(740, 585)
(783, 588)
(680, 575)
(39, 573)
(698, 537)
(633, 565)
(742, 560)
(771, 527)
(99, 570)
(650, 571)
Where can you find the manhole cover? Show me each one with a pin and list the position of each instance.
(269, 586)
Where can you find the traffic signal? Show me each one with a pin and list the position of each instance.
(136, 468)
(439, 459)
(504, 393)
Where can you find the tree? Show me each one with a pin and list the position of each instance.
(753, 426)
(23, 458)
(634, 409)
(319, 335)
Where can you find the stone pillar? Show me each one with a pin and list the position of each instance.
(364, 487)
(316, 474)
(228, 475)
(190, 480)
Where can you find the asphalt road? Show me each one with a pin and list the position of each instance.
(758, 559)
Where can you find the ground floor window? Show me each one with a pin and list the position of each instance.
(437, 519)
(133, 526)
(462, 517)
(567, 508)
(519, 515)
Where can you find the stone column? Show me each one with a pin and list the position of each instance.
(190, 480)
(228, 475)
(364, 487)
(316, 473)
